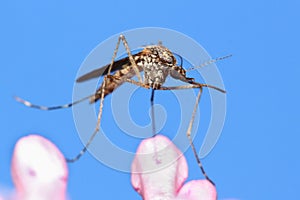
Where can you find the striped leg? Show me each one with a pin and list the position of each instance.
(68, 105)
(103, 87)
(188, 133)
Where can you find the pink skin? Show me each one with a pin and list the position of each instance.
(159, 170)
(39, 170)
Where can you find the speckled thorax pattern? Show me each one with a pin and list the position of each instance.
(156, 61)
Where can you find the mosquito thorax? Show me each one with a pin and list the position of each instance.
(156, 61)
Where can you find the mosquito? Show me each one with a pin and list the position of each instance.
(157, 62)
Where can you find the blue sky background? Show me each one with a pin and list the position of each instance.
(257, 156)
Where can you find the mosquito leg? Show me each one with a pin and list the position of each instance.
(96, 128)
(209, 86)
(29, 104)
(146, 86)
(188, 133)
(100, 114)
(193, 85)
(152, 112)
(135, 68)
(114, 55)
(121, 37)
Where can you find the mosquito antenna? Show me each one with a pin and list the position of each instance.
(68, 105)
(209, 62)
(152, 112)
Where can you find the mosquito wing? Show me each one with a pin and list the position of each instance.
(117, 65)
